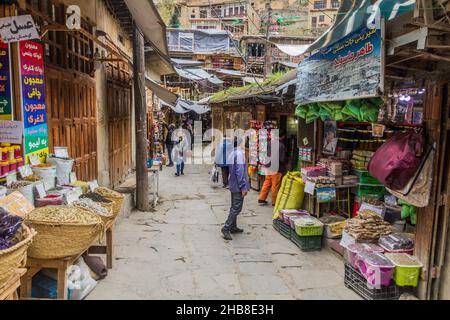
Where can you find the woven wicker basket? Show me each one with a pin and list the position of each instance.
(117, 199)
(61, 240)
(106, 219)
(15, 257)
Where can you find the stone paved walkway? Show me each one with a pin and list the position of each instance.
(177, 252)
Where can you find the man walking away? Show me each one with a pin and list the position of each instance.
(180, 156)
(170, 143)
(223, 151)
(239, 188)
(273, 180)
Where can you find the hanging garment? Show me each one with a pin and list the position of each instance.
(418, 190)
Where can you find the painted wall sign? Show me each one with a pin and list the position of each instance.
(5, 82)
(11, 131)
(348, 69)
(18, 28)
(34, 109)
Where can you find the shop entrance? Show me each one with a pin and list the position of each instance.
(71, 113)
(119, 127)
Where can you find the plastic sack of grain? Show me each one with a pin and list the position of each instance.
(63, 169)
(291, 194)
(47, 173)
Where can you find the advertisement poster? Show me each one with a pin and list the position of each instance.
(330, 138)
(11, 131)
(5, 83)
(33, 99)
(348, 69)
(18, 28)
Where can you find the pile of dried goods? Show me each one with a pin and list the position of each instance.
(368, 227)
(108, 192)
(95, 197)
(65, 215)
(19, 185)
(88, 204)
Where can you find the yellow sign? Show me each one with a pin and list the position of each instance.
(41, 154)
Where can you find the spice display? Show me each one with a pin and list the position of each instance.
(9, 225)
(88, 204)
(95, 197)
(107, 192)
(55, 214)
(50, 200)
(19, 184)
(368, 227)
(32, 178)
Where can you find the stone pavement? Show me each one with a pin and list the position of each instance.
(177, 252)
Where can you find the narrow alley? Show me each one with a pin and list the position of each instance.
(177, 252)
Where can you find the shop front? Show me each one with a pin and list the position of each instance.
(359, 109)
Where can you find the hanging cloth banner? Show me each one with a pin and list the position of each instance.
(348, 69)
(5, 82)
(32, 89)
(18, 28)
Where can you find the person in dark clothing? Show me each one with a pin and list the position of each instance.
(170, 143)
(223, 151)
(239, 188)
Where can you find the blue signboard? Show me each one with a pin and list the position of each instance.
(348, 69)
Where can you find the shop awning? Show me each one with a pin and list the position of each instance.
(162, 93)
(197, 75)
(293, 50)
(285, 86)
(227, 72)
(353, 15)
(173, 101)
(187, 63)
(150, 23)
(287, 64)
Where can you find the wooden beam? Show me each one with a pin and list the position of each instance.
(435, 57)
(419, 35)
(142, 184)
(406, 59)
(431, 26)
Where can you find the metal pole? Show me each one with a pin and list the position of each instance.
(142, 185)
(268, 60)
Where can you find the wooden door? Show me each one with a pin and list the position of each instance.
(119, 125)
(71, 111)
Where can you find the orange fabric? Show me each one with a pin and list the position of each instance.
(271, 183)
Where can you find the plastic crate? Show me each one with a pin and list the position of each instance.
(370, 190)
(304, 230)
(356, 282)
(276, 226)
(307, 244)
(365, 177)
(284, 229)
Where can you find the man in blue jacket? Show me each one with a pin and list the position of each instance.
(239, 188)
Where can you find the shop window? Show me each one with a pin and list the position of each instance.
(335, 4)
(255, 50)
(322, 4)
(314, 22)
(230, 11)
(322, 18)
(70, 50)
(242, 10)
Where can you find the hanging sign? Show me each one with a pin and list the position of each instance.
(11, 131)
(34, 109)
(40, 188)
(310, 187)
(18, 28)
(348, 69)
(5, 82)
(93, 185)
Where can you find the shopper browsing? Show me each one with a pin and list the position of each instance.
(239, 188)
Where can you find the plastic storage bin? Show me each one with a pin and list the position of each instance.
(371, 191)
(308, 226)
(353, 250)
(333, 226)
(376, 268)
(407, 269)
(356, 282)
(398, 243)
(365, 177)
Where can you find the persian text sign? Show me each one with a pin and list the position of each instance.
(34, 109)
(18, 28)
(5, 82)
(11, 132)
(347, 69)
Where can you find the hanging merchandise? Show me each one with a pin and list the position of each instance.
(396, 161)
(418, 190)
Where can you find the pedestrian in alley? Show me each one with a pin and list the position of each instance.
(239, 188)
(170, 143)
(179, 155)
(223, 151)
(273, 179)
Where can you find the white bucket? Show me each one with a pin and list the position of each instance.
(63, 169)
(48, 175)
